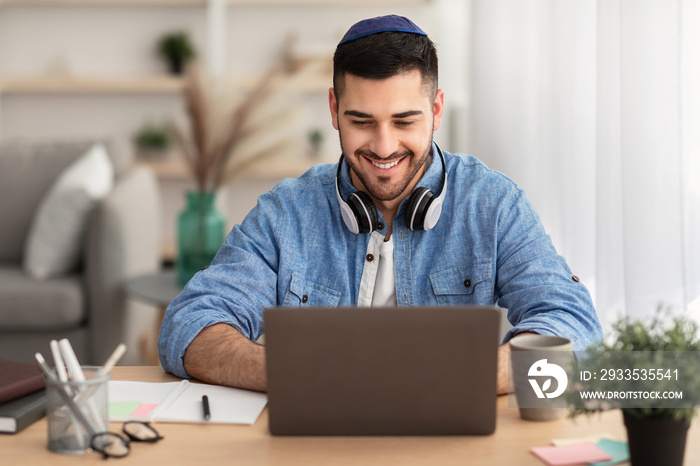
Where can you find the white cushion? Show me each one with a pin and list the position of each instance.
(55, 237)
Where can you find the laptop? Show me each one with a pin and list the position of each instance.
(382, 371)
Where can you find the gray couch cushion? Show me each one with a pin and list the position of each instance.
(26, 303)
(26, 173)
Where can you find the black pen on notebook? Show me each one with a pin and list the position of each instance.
(205, 406)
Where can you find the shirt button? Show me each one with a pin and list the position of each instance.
(370, 258)
(380, 226)
(575, 278)
(304, 298)
(467, 283)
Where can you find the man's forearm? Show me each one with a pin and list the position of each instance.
(221, 355)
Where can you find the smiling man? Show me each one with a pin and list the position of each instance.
(386, 131)
(397, 222)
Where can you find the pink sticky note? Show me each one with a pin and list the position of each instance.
(570, 454)
(143, 409)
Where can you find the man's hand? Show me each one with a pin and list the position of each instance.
(221, 355)
(502, 374)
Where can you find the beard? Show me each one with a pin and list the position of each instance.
(382, 188)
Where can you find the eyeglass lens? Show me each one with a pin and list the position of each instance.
(140, 431)
(110, 444)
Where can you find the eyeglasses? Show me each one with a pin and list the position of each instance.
(113, 445)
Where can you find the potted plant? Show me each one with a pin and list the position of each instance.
(177, 49)
(153, 141)
(229, 130)
(656, 429)
(315, 140)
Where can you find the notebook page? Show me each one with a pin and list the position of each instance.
(126, 397)
(228, 405)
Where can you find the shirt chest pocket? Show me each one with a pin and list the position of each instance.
(469, 285)
(304, 293)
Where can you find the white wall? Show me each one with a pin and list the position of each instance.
(109, 41)
(120, 41)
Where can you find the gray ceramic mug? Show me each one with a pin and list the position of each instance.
(529, 353)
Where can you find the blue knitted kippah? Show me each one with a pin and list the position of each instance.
(370, 26)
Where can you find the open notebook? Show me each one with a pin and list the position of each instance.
(182, 402)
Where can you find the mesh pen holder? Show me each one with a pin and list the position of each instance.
(76, 411)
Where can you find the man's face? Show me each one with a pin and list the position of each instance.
(386, 129)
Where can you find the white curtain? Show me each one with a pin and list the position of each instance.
(593, 108)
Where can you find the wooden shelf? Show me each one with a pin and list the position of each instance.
(110, 3)
(92, 85)
(174, 168)
(201, 3)
(129, 85)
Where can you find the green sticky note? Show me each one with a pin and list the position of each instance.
(619, 451)
(122, 408)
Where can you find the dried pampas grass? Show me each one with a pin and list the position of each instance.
(237, 127)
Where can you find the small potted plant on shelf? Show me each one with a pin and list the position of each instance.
(665, 348)
(177, 49)
(153, 141)
(315, 141)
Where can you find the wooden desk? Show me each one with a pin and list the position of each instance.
(189, 444)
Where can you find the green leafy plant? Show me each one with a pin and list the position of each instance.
(177, 49)
(153, 137)
(315, 139)
(316, 136)
(650, 340)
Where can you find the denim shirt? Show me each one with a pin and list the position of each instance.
(293, 249)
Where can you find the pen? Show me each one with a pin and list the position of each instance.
(44, 367)
(111, 361)
(75, 372)
(58, 360)
(205, 405)
(62, 377)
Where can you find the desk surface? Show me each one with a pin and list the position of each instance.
(253, 445)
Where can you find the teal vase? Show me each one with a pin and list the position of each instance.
(201, 230)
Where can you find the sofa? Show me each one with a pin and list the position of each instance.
(120, 238)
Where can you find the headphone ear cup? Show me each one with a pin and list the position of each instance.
(364, 210)
(416, 207)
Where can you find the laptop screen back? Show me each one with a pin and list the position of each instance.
(381, 371)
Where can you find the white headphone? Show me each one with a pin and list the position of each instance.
(423, 209)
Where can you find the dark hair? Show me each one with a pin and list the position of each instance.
(383, 55)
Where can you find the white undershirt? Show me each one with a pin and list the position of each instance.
(377, 287)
